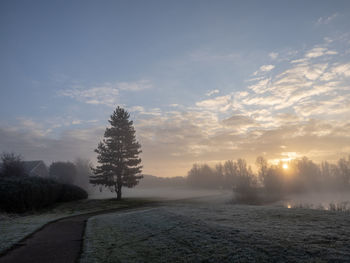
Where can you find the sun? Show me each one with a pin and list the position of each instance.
(285, 166)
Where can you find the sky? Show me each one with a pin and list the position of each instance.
(204, 81)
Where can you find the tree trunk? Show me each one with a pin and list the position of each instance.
(119, 192)
(119, 186)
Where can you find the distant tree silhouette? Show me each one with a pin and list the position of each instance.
(63, 172)
(230, 174)
(118, 155)
(246, 186)
(193, 175)
(262, 165)
(219, 174)
(202, 176)
(344, 171)
(11, 165)
(272, 182)
(270, 178)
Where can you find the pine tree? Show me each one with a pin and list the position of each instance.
(118, 155)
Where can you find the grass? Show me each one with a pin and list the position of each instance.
(339, 207)
(185, 232)
(14, 227)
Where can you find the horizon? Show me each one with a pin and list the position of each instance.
(203, 82)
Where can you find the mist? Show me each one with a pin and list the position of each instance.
(164, 189)
(299, 183)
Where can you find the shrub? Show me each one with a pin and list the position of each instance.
(63, 172)
(246, 193)
(21, 194)
(71, 192)
(11, 165)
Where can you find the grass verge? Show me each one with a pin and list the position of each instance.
(15, 227)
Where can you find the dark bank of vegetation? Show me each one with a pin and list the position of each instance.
(20, 192)
(271, 182)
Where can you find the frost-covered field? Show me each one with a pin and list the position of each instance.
(13, 228)
(320, 200)
(214, 232)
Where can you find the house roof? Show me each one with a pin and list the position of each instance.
(31, 165)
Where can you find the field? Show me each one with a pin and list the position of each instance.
(197, 226)
(212, 230)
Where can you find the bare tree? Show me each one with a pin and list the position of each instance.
(12, 165)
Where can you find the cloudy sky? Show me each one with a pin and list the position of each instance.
(204, 81)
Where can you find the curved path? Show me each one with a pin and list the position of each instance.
(58, 241)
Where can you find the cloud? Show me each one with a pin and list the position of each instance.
(68, 146)
(97, 95)
(333, 106)
(239, 120)
(187, 137)
(299, 106)
(273, 55)
(326, 19)
(212, 92)
(261, 86)
(263, 69)
(266, 68)
(137, 109)
(29, 124)
(134, 86)
(319, 51)
(308, 80)
(316, 52)
(220, 103)
(104, 94)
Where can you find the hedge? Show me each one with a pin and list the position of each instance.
(21, 194)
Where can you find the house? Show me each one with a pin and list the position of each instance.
(36, 168)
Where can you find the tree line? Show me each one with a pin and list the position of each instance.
(271, 182)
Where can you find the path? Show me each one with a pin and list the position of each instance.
(59, 241)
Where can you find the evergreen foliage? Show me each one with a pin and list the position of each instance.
(118, 155)
(22, 194)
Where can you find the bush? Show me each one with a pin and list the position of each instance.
(63, 172)
(21, 194)
(246, 193)
(11, 165)
(71, 192)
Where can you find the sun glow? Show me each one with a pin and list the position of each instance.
(285, 166)
(286, 158)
